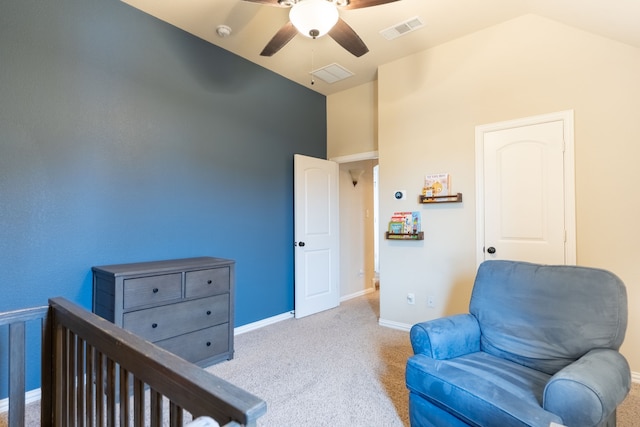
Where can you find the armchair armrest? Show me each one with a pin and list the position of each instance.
(447, 337)
(587, 392)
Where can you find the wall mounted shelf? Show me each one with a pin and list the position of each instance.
(405, 236)
(453, 198)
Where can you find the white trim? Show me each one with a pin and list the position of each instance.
(368, 155)
(479, 194)
(635, 377)
(262, 323)
(569, 177)
(31, 396)
(357, 294)
(394, 325)
(571, 255)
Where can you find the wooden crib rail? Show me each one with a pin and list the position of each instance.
(95, 373)
(120, 364)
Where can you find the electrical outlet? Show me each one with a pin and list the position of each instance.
(411, 298)
(431, 301)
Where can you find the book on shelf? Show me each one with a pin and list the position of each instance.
(438, 184)
(396, 227)
(405, 223)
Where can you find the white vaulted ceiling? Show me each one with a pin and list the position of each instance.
(253, 25)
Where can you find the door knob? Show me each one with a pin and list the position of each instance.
(491, 250)
(301, 244)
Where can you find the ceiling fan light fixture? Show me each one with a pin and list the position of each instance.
(313, 18)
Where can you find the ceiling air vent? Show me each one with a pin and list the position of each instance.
(332, 73)
(402, 28)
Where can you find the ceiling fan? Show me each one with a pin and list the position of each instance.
(315, 18)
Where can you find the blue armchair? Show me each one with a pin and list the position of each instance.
(539, 346)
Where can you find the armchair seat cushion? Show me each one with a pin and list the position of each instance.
(481, 389)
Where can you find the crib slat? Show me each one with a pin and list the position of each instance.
(125, 406)
(175, 415)
(99, 389)
(90, 395)
(80, 381)
(71, 378)
(16, 373)
(138, 403)
(59, 377)
(47, 363)
(111, 392)
(156, 408)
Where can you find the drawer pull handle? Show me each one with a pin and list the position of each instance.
(208, 312)
(208, 343)
(209, 282)
(154, 325)
(155, 290)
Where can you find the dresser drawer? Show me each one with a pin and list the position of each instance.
(199, 345)
(149, 290)
(167, 321)
(206, 282)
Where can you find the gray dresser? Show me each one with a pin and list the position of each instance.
(182, 305)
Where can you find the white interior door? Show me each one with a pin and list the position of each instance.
(316, 234)
(526, 195)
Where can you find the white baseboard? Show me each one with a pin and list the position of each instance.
(284, 316)
(357, 294)
(394, 325)
(31, 396)
(635, 377)
(262, 323)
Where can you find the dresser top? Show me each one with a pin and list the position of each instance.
(165, 266)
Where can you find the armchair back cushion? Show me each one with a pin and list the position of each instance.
(546, 317)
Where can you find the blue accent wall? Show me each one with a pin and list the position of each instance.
(125, 139)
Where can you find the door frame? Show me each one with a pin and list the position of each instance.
(353, 158)
(569, 177)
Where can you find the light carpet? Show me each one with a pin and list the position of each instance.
(335, 368)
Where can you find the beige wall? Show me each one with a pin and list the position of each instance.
(352, 121)
(429, 105)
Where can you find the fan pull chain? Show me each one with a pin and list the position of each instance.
(312, 77)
